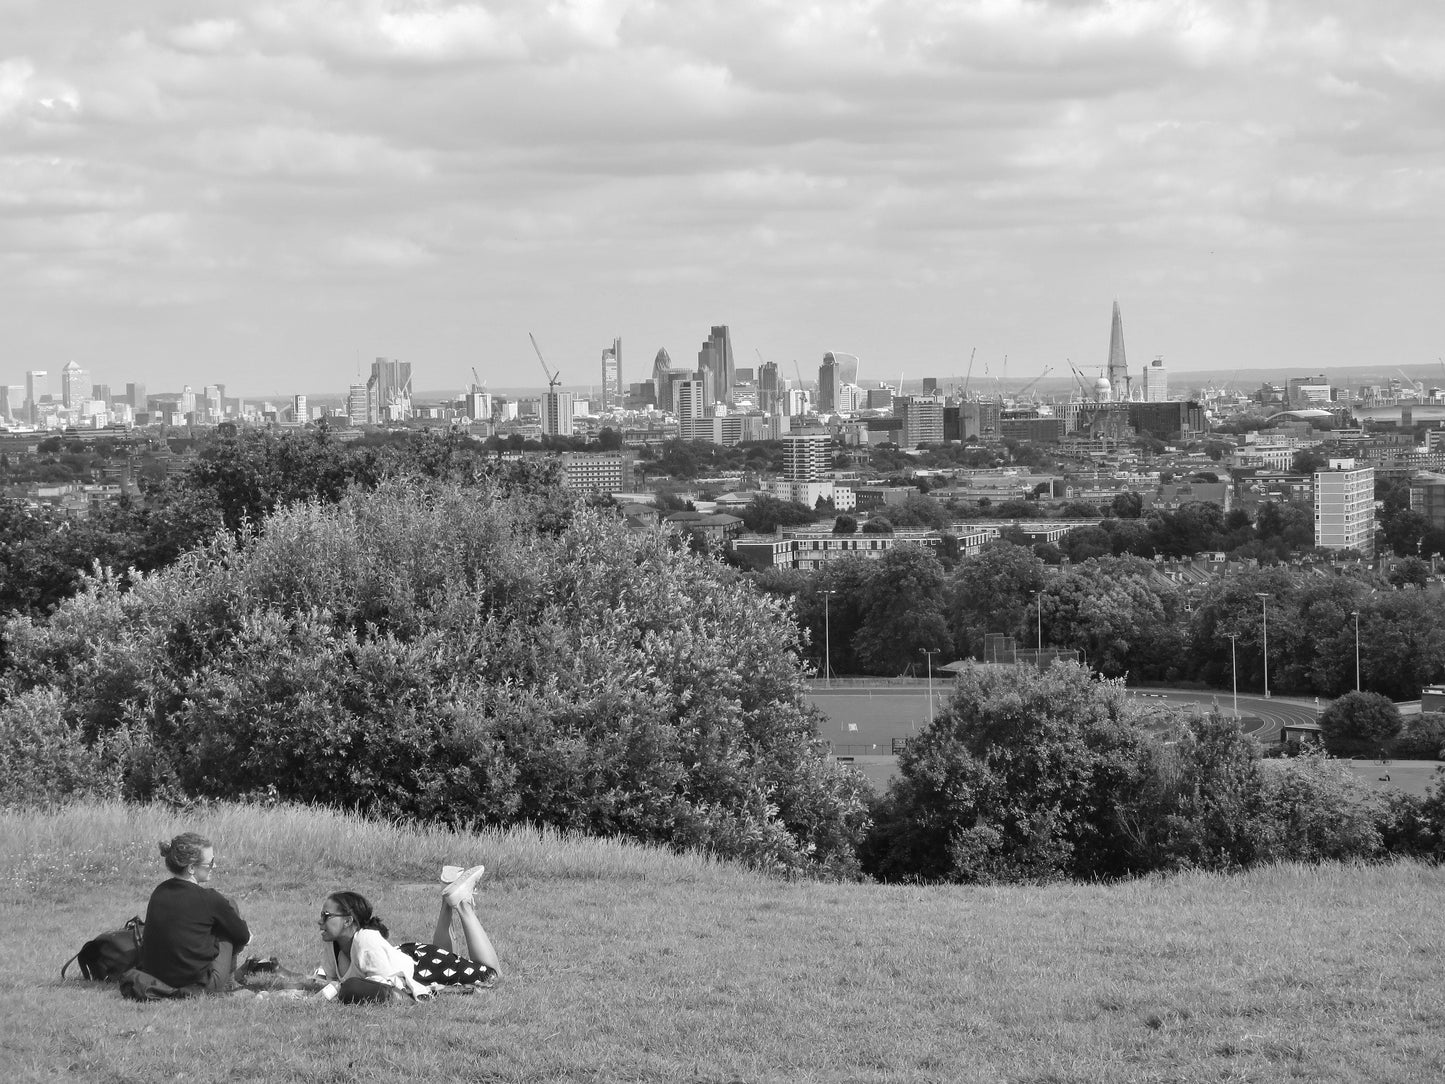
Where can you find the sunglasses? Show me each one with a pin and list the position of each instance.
(333, 914)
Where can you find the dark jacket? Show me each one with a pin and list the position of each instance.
(184, 921)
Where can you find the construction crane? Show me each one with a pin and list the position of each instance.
(799, 370)
(1079, 378)
(552, 378)
(1029, 386)
(1417, 385)
(964, 394)
(478, 384)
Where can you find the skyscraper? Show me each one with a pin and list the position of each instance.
(806, 455)
(557, 413)
(1345, 507)
(661, 370)
(715, 364)
(74, 385)
(356, 404)
(388, 391)
(828, 385)
(135, 395)
(1156, 382)
(37, 387)
(612, 376)
(768, 387)
(1118, 367)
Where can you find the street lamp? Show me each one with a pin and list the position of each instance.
(1356, 615)
(930, 653)
(827, 645)
(1264, 598)
(1039, 605)
(1234, 672)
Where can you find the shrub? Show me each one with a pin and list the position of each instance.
(1421, 737)
(1017, 779)
(1359, 724)
(43, 759)
(445, 655)
(1318, 812)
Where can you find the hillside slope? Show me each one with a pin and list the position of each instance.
(623, 963)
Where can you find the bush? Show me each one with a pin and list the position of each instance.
(1318, 812)
(448, 656)
(1421, 737)
(1359, 724)
(1017, 779)
(43, 759)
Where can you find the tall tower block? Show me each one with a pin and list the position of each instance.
(1118, 367)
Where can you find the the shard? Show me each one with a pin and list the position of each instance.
(1118, 367)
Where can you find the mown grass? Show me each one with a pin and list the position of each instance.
(623, 963)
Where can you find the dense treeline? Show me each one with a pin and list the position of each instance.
(1125, 617)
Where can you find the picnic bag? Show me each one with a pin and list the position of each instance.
(107, 957)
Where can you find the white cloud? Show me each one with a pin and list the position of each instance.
(812, 170)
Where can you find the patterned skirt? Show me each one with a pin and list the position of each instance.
(439, 967)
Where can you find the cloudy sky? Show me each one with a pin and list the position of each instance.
(269, 193)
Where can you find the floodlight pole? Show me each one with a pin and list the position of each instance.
(827, 645)
(930, 654)
(1264, 599)
(1234, 672)
(1356, 615)
(1039, 605)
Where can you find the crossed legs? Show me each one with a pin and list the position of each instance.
(458, 907)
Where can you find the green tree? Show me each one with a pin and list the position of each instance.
(1017, 779)
(993, 591)
(765, 514)
(1359, 724)
(902, 612)
(845, 524)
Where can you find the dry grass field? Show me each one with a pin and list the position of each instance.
(629, 964)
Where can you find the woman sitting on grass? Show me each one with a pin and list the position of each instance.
(364, 966)
(192, 932)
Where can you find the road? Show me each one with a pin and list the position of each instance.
(864, 719)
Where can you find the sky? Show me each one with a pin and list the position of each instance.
(269, 194)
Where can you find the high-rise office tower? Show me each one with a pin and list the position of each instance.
(37, 387)
(135, 395)
(768, 387)
(5, 402)
(557, 413)
(828, 385)
(74, 385)
(1156, 382)
(612, 376)
(298, 409)
(847, 366)
(388, 391)
(689, 400)
(715, 362)
(1118, 367)
(661, 368)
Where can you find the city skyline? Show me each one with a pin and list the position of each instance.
(274, 195)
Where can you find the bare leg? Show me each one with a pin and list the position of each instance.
(479, 945)
(442, 937)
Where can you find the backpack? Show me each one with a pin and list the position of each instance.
(106, 957)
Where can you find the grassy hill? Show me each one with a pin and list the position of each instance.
(623, 963)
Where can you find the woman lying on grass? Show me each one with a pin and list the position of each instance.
(362, 965)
